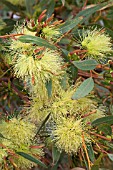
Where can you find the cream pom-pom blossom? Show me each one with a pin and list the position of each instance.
(85, 107)
(42, 69)
(67, 135)
(96, 42)
(32, 63)
(71, 118)
(18, 136)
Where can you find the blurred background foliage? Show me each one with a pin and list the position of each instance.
(12, 94)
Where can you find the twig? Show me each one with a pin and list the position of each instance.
(90, 113)
(86, 1)
(100, 84)
(19, 93)
(102, 137)
(84, 146)
(11, 35)
(86, 74)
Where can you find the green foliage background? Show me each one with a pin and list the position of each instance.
(94, 74)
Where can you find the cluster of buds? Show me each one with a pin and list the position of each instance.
(45, 29)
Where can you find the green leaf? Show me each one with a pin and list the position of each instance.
(110, 156)
(95, 167)
(29, 6)
(98, 160)
(8, 27)
(86, 64)
(89, 11)
(2, 24)
(84, 89)
(49, 87)
(74, 72)
(63, 81)
(91, 152)
(43, 123)
(107, 120)
(16, 8)
(56, 157)
(32, 159)
(110, 145)
(65, 53)
(55, 154)
(50, 8)
(80, 18)
(36, 40)
(69, 25)
(105, 128)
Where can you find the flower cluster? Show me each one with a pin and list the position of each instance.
(68, 135)
(65, 106)
(34, 64)
(18, 136)
(96, 42)
(65, 113)
(38, 66)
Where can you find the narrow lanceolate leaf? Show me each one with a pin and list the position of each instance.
(32, 159)
(69, 25)
(107, 120)
(105, 128)
(86, 64)
(11, 6)
(49, 87)
(84, 89)
(91, 152)
(110, 156)
(55, 154)
(36, 40)
(50, 8)
(80, 18)
(29, 6)
(43, 123)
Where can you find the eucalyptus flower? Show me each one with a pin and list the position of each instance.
(18, 136)
(41, 104)
(28, 65)
(96, 42)
(33, 64)
(64, 105)
(18, 131)
(85, 107)
(37, 111)
(68, 135)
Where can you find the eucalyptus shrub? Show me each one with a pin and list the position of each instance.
(63, 68)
